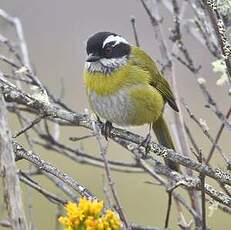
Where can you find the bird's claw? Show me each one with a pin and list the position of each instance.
(106, 129)
(145, 143)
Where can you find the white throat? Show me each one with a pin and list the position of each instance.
(105, 65)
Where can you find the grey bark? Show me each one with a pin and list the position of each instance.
(8, 172)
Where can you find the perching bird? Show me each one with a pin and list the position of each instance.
(125, 87)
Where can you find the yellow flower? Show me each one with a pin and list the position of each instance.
(112, 219)
(96, 208)
(84, 205)
(87, 215)
(91, 223)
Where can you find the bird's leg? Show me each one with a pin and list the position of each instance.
(106, 129)
(146, 141)
(98, 119)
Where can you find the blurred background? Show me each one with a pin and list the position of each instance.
(56, 33)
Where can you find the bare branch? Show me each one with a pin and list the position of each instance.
(11, 93)
(206, 132)
(133, 21)
(218, 26)
(34, 122)
(49, 168)
(50, 196)
(5, 224)
(8, 172)
(103, 152)
(206, 19)
(217, 137)
(213, 106)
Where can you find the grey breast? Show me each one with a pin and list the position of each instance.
(116, 108)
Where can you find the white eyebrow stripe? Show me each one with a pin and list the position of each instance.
(114, 38)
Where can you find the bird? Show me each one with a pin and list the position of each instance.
(125, 87)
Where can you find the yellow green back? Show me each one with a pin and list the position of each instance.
(141, 59)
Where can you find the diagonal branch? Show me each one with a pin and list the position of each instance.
(12, 93)
(49, 168)
(50, 196)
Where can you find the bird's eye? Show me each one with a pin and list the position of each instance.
(108, 51)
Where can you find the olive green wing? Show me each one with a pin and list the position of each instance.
(139, 58)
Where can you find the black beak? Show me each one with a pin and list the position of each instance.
(93, 58)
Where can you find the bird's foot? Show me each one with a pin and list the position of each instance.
(106, 129)
(145, 143)
(98, 119)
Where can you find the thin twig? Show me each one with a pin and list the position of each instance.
(213, 106)
(32, 123)
(176, 37)
(203, 200)
(169, 209)
(107, 194)
(205, 131)
(217, 137)
(51, 197)
(133, 21)
(192, 140)
(103, 152)
(85, 158)
(62, 186)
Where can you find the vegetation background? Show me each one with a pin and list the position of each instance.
(56, 33)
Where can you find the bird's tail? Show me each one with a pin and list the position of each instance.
(164, 138)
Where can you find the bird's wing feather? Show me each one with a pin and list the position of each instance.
(156, 80)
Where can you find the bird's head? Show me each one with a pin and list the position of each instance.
(106, 52)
